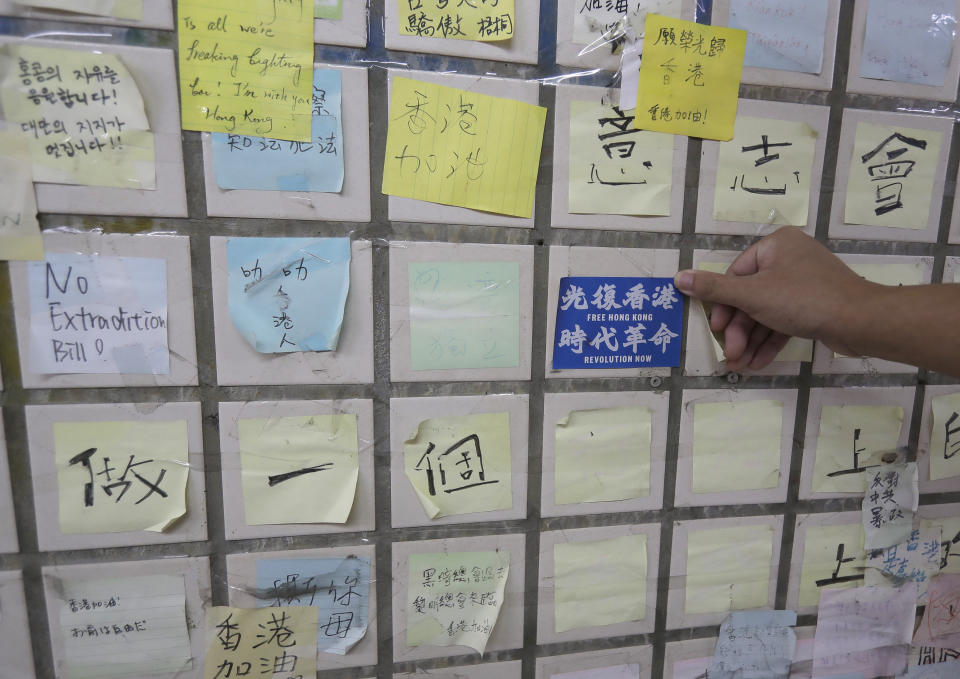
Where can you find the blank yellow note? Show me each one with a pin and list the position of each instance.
(849, 436)
(597, 583)
(690, 78)
(736, 446)
(833, 558)
(246, 67)
(471, 20)
(19, 230)
(890, 274)
(945, 439)
(456, 147)
(121, 9)
(728, 569)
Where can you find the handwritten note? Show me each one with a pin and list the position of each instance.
(461, 464)
(916, 559)
(909, 42)
(690, 78)
(728, 569)
(19, 229)
(98, 314)
(256, 163)
(755, 645)
(121, 9)
(245, 67)
(124, 626)
(593, 590)
(457, 147)
(489, 20)
(850, 436)
(601, 24)
(602, 455)
(614, 167)
(328, 9)
(889, 504)
(945, 439)
(630, 671)
(454, 599)
(114, 477)
(940, 626)
(82, 115)
(298, 469)
(339, 588)
(833, 558)
(288, 294)
(464, 315)
(279, 641)
(782, 34)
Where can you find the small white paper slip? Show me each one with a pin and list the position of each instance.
(891, 498)
(630, 74)
(631, 671)
(98, 314)
(124, 626)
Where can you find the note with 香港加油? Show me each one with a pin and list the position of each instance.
(484, 21)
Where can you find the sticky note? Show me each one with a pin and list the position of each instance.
(617, 322)
(298, 469)
(612, 672)
(98, 314)
(690, 78)
(614, 167)
(288, 294)
(782, 34)
(909, 42)
(121, 9)
(245, 67)
(892, 173)
(833, 558)
(458, 147)
(945, 670)
(478, 579)
(728, 569)
(19, 229)
(82, 115)
(339, 588)
(602, 455)
(889, 503)
(945, 437)
(917, 559)
(849, 437)
(243, 641)
(460, 464)
(591, 589)
(940, 625)
(950, 541)
(123, 626)
(260, 164)
(755, 644)
(736, 445)
(114, 477)
(763, 173)
(598, 24)
(328, 9)
(484, 21)
(464, 315)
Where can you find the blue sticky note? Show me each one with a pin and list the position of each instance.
(339, 588)
(616, 322)
(909, 42)
(258, 163)
(943, 670)
(288, 294)
(755, 645)
(782, 34)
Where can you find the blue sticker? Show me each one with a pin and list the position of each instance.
(611, 322)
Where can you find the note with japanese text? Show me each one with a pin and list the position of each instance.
(755, 645)
(260, 164)
(461, 464)
(484, 20)
(945, 439)
(279, 642)
(457, 147)
(114, 477)
(288, 294)
(833, 558)
(728, 569)
(940, 626)
(81, 113)
(246, 67)
(339, 588)
(909, 42)
(328, 9)
(850, 436)
(889, 503)
(598, 24)
(617, 322)
(124, 626)
(121, 9)
(782, 34)
(98, 314)
(298, 469)
(474, 580)
(736, 445)
(690, 78)
(20, 237)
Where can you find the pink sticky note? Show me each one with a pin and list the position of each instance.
(940, 626)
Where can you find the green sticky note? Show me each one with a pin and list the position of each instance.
(328, 9)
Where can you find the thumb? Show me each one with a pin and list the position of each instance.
(713, 287)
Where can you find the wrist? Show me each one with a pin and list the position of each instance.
(857, 330)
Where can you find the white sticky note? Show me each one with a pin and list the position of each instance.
(631, 671)
(785, 35)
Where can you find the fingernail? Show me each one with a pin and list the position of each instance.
(684, 281)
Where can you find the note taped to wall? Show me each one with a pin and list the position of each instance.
(457, 147)
(246, 67)
(833, 558)
(756, 644)
(630, 671)
(121, 9)
(82, 114)
(690, 78)
(889, 503)
(849, 437)
(909, 42)
(597, 24)
(282, 641)
(19, 229)
(98, 314)
(124, 626)
(298, 469)
(782, 34)
(114, 477)
(484, 21)
(945, 438)
(461, 464)
(728, 569)
(328, 9)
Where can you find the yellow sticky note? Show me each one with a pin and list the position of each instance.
(891, 176)
(616, 169)
(736, 446)
(19, 230)
(461, 464)
(279, 641)
(728, 569)
(121, 9)
(485, 21)
(82, 115)
(890, 274)
(298, 469)
(457, 147)
(602, 455)
(690, 78)
(763, 173)
(945, 439)
(246, 67)
(849, 437)
(592, 587)
(114, 477)
(833, 558)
